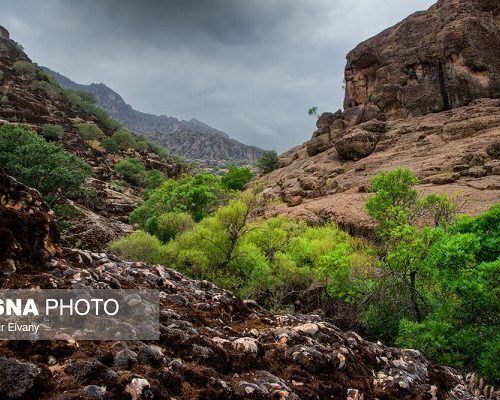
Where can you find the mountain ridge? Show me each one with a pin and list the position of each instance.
(192, 138)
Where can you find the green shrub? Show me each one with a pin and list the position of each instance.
(268, 162)
(124, 138)
(155, 179)
(132, 171)
(1, 76)
(236, 178)
(89, 132)
(52, 131)
(85, 102)
(56, 173)
(168, 225)
(439, 289)
(198, 195)
(138, 246)
(46, 77)
(24, 68)
(110, 145)
(140, 145)
(66, 211)
(53, 92)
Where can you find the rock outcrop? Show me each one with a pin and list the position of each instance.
(453, 152)
(28, 234)
(423, 95)
(192, 139)
(432, 61)
(212, 345)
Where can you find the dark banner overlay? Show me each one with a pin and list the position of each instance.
(79, 314)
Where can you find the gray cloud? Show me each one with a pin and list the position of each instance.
(251, 68)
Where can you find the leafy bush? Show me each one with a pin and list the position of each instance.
(138, 246)
(268, 162)
(85, 102)
(463, 269)
(124, 138)
(155, 179)
(24, 67)
(168, 225)
(236, 178)
(89, 132)
(198, 195)
(47, 167)
(53, 92)
(141, 145)
(439, 290)
(110, 145)
(132, 171)
(274, 261)
(52, 131)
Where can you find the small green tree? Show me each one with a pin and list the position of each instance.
(132, 171)
(109, 144)
(56, 173)
(313, 111)
(124, 138)
(141, 145)
(89, 132)
(168, 225)
(52, 131)
(236, 178)
(198, 195)
(155, 179)
(268, 162)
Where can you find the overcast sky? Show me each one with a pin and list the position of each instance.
(251, 68)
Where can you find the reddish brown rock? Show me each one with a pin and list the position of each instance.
(432, 61)
(28, 234)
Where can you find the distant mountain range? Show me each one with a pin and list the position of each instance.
(192, 139)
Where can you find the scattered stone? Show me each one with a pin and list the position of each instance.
(21, 380)
(93, 392)
(309, 329)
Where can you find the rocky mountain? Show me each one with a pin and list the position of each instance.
(192, 139)
(30, 100)
(423, 94)
(212, 344)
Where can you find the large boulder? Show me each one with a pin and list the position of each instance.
(359, 141)
(322, 138)
(432, 61)
(28, 233)
(20, 380)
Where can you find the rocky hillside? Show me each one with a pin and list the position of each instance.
(423, 94)
(29, 99)
(212, 344)
(192, 139)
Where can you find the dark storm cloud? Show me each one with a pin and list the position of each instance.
(249, 67)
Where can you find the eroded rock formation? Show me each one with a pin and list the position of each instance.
(432, 61)
(423, 95)
(28, 234)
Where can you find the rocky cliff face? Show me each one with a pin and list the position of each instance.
(432, 61)
(212, 344)
(23, 101)
(192, 139)
(423, 95)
